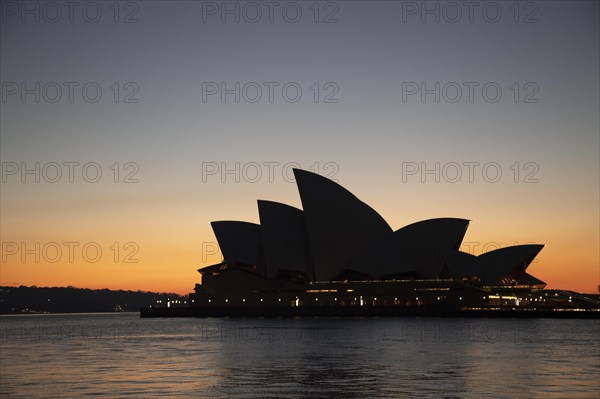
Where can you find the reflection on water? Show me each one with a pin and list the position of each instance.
(116, 355)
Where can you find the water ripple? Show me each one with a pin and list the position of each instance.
(121, 355)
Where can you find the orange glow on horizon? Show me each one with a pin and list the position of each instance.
(172, 266)
(161, 243)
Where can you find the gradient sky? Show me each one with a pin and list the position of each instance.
(371, 134)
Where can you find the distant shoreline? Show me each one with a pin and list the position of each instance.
(33, 300)
(67, 313)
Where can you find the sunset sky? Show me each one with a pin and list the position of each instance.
(366, 115)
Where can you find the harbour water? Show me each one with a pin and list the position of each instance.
(121, 355)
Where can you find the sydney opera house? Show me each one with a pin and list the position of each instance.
(338, 256)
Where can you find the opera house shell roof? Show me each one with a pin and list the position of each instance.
(337, 237)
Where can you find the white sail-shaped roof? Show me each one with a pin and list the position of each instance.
(240, 242)
(494, 265)
(284, 241)
(340, 226)
(425, 245)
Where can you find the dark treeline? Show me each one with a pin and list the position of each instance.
(71, 300)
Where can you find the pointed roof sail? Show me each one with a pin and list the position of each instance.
(494, 265)
(284, 241)
(440, 232)
(239, 242)
(427, 245)
(339, 225)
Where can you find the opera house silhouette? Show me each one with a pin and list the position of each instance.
(338, 256)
